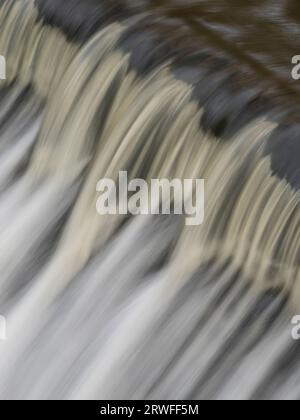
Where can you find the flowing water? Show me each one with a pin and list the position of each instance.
(142, 307)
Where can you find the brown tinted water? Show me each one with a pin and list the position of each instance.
(261, 36)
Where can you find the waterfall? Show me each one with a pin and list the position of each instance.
(139, 307)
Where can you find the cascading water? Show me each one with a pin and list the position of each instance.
(138, 307)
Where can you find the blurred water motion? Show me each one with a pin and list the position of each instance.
(145, 307)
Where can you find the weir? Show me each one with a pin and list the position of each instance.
(124, 307)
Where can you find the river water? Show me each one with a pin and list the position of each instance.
(147, 307)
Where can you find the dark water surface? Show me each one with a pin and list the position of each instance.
(258, 38)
